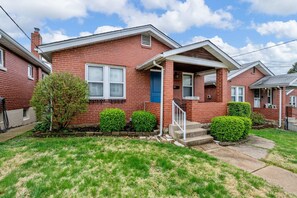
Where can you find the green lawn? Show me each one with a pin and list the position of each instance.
(284, 154)
(118, 167)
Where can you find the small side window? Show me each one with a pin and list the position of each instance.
(1, 58)
(146, 40)
(30, 72)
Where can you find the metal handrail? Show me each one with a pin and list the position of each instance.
(179, 118)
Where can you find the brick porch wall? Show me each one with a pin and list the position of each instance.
(204, 112)
(271, 114)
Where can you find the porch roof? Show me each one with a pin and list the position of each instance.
(225, 61)
(285, 80)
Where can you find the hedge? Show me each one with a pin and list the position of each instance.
(257, 118)
(112, 119)
(227, 128)
(242, 109)
(143, 121)
(247, 126)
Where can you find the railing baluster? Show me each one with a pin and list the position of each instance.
(179, 118)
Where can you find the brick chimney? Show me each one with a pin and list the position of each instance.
(36, 40)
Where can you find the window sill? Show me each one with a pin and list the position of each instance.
(30, 78)
(3, 68)
(26, 118)
(146, 46)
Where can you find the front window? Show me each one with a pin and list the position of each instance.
(237, 94)
(106, 82)
(187, 85)
(30, 72)
(293, 101)
(269, 96)
(1, 58)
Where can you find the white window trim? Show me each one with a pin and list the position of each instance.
(270, 96)
(236, 93)
(150, 45)
(295, 100)
(30, 76)
(186, 73)
(2, 61)
(106, 80)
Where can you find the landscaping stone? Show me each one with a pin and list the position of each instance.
(179, 144)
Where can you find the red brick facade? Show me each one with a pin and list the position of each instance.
(126, 52)
(15, 85)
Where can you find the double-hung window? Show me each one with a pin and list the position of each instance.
(293, 101)
(30, 72)
(106, 82)
(1, 58)
(237, 93)
(187, 85)
(269, 96)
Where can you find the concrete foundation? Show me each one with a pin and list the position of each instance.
(17, 118)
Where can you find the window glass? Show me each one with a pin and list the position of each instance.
(187, 80)
(145, 40)
(116, 75)
(116, 90)
(96, 89)
(95, 74)
(30, 71)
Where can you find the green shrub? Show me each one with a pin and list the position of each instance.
(61, 95)
(247, 126)
(257, 118)
(242, 109)
(112, 119)
(143, 121)
(227, 128)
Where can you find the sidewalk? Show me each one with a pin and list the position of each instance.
(246, 156)
(12, 133)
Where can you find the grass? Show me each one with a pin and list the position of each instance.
(284, 154)
(118, 167)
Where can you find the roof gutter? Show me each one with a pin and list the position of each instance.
(162, 91)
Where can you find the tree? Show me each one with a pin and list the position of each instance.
(293, 69)
(62, 96)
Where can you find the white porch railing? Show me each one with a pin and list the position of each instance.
(179, 118)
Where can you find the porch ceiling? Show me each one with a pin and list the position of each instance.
(190, 68)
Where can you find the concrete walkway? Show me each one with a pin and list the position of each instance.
(12, 133)
(246, 156)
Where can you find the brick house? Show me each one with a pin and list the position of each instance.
(142, 68)
(20, 70)
(256, 84)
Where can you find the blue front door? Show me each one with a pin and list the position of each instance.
(155, 86)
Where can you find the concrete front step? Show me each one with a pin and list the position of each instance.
(195, 132)
(189, 125)
(193, 141)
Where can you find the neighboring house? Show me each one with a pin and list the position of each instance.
(127, 68)
(20, 70)
(256, 84)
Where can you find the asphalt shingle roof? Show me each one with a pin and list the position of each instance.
(287, 80)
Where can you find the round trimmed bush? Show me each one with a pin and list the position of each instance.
(242, 109)
(247, 126)
(143, 121)
(227, 128)
(112, 119)
(257, 118)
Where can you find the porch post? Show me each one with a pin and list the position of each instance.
(168, 92)
(221, 85)
(199, 87)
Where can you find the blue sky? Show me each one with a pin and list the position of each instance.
(235, 26)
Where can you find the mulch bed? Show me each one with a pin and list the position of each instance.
(92, 133)
(264, 126)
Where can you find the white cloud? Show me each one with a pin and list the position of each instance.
(274, 7)
(278, 28)
(106, 28)
(52, 36)
(175, 15)
(278, 59)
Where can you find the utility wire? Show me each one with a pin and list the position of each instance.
(22, 30)
(264, 48)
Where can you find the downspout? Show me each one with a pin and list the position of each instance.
(161, 105)
(280, 108)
